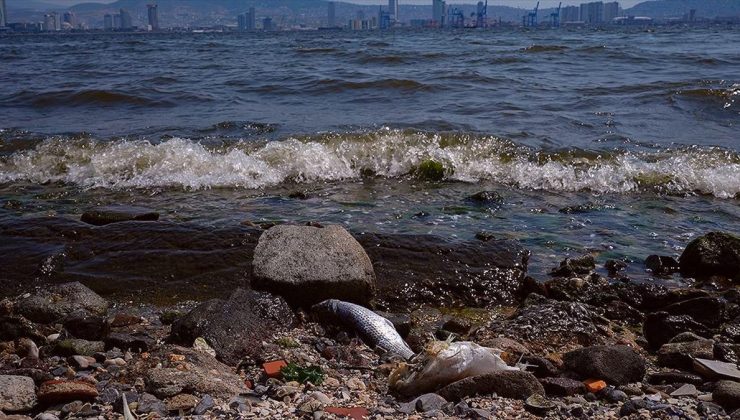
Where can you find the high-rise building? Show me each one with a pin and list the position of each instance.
(126, 22)
(117, 21)
(592, 12)
(331, 20)
(50, 22)
(3, 14)
(252, 20)
(267, 24)
(611, 10)
(108, 22)
(393, 10)
(438, 12)
(570, 14)
(70, 20)
(153, 16)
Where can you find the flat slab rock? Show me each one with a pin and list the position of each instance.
(116, 214)
(17, 393)
(307, 265)
(53, 303)
(60, 391)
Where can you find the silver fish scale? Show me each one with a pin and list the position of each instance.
(375, 330)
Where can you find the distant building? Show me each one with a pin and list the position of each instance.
(117, 21)
(153, 16)
(439, 10)
(611, 11)
(51, 22)
(3, 14)
(593, 12)
(384, 19)
(393, 10)
(331, 20)
(126, 21)
(108, 22)
(267, 24)
(70, 20)
(570, 14)
(248, 21)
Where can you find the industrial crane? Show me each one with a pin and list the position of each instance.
(531, 18)
(555, 17)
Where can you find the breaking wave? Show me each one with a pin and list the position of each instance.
(183, 163)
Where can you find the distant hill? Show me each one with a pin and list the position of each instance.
(662, 9)
(19, 5)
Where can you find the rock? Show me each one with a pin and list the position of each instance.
(123, 319)
(662, 378)
(715, 253)
(205, 404)
(633, 407)
(200, 344)
(660, 327)
(46, 416)
(59, 391)
(234, 328)
(148, 403)
(685, 337)
(617, 365)
(83, 362)
(137, 342)
(73, 347)
(680, 355)
(107, 215)
(307, 265)
(423, 404)
(82, 324)
(15, 327)
(485, 198)
(713, 369)
(710, 410)
(562, 387)
(17, 393)
(707, 310)
(508, 384)
(53, 303)
(727, 394)
(538, 404)
(613, 395)
(686, 390)
(27, 348)
(183, 402)
(615, 266)
(661, 265)
(573, 266)
(539, 366)
(204, 375)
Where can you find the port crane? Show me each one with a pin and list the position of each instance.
(555, 17)
(531, 18)
(482, 15)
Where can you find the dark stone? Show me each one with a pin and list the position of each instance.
(706, 408)
(15, 327)
(617, 365)
(715, 253)
(707, 310)
(617, 310)
(727, 352)
(660, 327)
(574, 266)
(428, 402)
(661, 265)
(633, 407)
(485, 236)
(205, 404)
(298, 195)
(680, 355)
(614, 266)
(236, 327)
(148, 403)
(53, 303)
(485, 198)
(727, 394)
(108, 215)
(137, 342)
(508, 384)
(72, 347)
(82, 324)
(540, 367)
(613, 395)
(562, 387)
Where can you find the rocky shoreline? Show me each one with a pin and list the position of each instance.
(577, 345)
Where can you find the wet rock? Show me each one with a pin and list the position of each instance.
(661, 265)
(574, 266)
(613, 395)
(707, 310)
(681, 354)
(59, 391)
(727, 352)
(307, 265)
(417, 270)
(619, 311)
(562, 387)
(508, 384)
(485, 198)
(15, 327)
(206, 403)
(137, 342)
(107, 215)
(53, 303)
(660, 327)
(123, 319)
(17, 393)
(424, 324)
(73, 346)
(715, 253)
(235, 327)
(485, 236)
(202, 375)
(661, 378)
(727, 394)
(614, 266)
(617, 365)
(82, 324)
(148, 403)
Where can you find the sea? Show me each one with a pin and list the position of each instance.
(619, 142)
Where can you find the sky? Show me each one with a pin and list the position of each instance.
(515, 3)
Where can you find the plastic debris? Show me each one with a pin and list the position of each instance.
(443, 363)
(594, 385)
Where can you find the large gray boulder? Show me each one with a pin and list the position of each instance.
(307, 265)
(617, 365)
(17, 393)
(56, 302)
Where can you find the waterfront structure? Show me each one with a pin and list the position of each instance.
(593, 12)
(611, 11)
(393, 10)
(331, 20)
(439, 12)
(3, 14)
(126, 21)
(153, 16)
(570, 14)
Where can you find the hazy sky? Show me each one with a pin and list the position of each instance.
(515, 3)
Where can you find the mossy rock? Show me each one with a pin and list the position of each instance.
(431, 170)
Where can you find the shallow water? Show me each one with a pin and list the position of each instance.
(623, 143)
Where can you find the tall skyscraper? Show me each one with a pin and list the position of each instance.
(592, 12)
(331, 20)
(3, 14)
(153, 16)
(611, 10)
(570, 14)
(70, 19)
(267, 24)
(393, 10)
(438, 12)
(117, 21)
(252, 20)
(108, 22)
(126, 22)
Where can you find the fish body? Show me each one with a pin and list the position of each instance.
(372, 328)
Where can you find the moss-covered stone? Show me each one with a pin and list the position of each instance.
(431, 170)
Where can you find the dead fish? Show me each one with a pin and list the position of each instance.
(372, 328)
